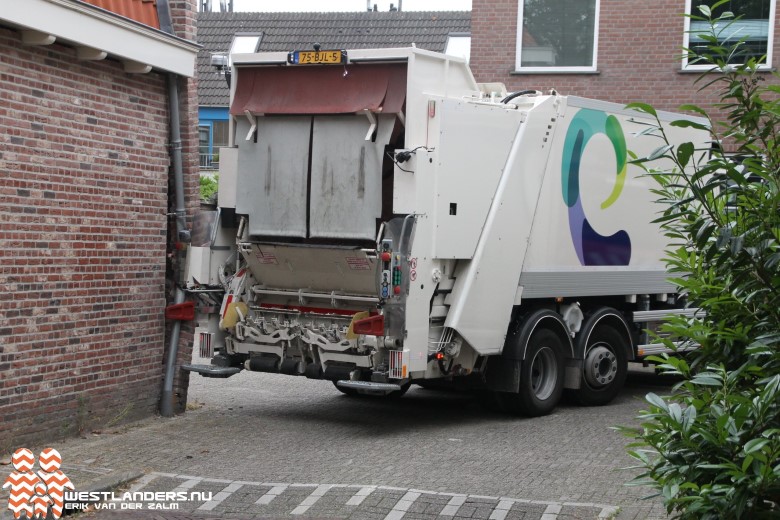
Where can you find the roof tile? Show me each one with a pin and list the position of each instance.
(143, 11)
(289, 31)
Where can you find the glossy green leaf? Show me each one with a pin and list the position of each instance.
(643, 107)
(659, 152)
(754, 445)
(685, 123)
(684, 153)
(656, 401)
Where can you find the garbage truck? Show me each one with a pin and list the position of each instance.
(383, 220)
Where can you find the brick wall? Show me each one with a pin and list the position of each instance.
(638, 54)
(83, 232)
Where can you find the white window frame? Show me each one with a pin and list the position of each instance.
(769, 43)
(519, 46)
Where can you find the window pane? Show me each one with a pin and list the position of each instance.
(244, 44)
(203, 146)
(750, 23)
(220, 129)
(558, 33)
(203, 139)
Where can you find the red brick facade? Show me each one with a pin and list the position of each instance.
(638, 54)
(84, 182)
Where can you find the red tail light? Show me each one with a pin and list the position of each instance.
(371, 326)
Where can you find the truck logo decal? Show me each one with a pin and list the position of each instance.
(592, 247)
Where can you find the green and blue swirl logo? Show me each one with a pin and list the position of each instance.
(592, 247)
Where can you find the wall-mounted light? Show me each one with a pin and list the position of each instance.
(220, 63)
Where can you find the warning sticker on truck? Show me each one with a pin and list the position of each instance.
(358, 264)
(266, 258)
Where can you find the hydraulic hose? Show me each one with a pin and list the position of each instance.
(513, 95)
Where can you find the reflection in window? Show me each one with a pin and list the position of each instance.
(750, 25)
(558, 33)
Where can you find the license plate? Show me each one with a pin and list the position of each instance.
(315, 57)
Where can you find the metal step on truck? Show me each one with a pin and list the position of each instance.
(383, 220)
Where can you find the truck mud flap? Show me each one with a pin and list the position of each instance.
(502, 374)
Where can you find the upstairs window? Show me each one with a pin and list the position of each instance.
(751, 24)
(557, 35)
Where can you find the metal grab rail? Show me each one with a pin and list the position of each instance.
(208, 161)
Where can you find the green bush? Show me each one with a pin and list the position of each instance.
(712, 448)
(208, 187)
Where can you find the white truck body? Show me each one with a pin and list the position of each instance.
(393, 187)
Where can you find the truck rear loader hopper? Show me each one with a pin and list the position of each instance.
(384, 220)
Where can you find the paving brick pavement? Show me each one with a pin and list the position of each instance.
(314, 453)
(245, 499)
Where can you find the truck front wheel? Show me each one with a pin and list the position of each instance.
(605, 367)
(541, 376)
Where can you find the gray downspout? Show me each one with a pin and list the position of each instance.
(182, 233)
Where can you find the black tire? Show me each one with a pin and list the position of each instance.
(605, 367)
(222, 359)
(541, 376)
(436, 384)
(490, 400)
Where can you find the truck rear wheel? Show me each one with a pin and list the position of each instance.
(541, 376)
(604, 369)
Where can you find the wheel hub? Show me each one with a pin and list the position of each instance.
(544, 373)
(600, 366)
